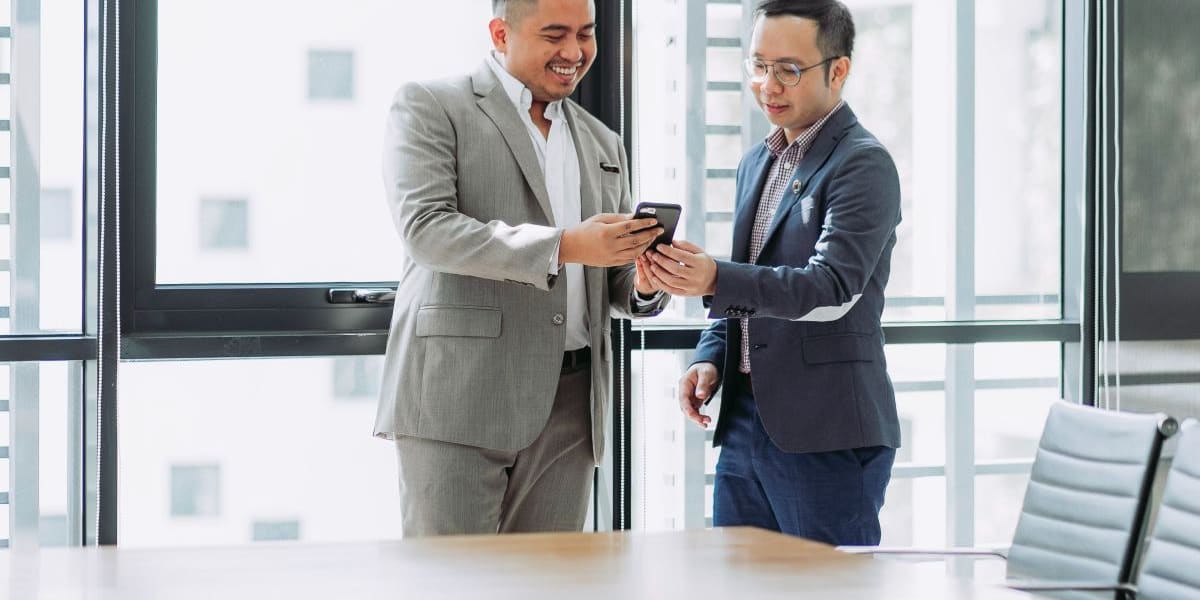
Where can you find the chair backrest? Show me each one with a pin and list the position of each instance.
(1085, 508)
(1171, 568)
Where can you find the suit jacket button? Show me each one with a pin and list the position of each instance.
(558, 319)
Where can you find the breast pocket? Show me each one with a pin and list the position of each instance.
(610, 191)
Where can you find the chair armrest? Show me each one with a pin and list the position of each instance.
(1044, 585)
(924, 551)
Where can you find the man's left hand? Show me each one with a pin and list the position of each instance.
(643, 281)
(682, 269)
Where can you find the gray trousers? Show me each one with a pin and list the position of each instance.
(448, 489)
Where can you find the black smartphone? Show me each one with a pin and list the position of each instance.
(667, 216)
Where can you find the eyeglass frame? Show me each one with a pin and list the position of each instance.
(750, 62)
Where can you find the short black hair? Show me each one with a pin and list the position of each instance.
(512, 10)
(835, 26)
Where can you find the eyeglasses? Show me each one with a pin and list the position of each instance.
(786, 73)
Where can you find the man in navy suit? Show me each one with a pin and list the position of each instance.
(808, 424)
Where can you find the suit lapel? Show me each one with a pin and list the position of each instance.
(497, 106)
(589, 164)
(827, 139)
(747, 204)
(590, 205)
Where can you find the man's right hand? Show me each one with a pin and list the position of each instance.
(695, 388)
(607, 240)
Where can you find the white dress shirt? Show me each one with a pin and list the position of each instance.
(560, 165)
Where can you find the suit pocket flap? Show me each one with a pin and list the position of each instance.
(458, 321)
(845, 347)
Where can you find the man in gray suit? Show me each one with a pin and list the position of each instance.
(512, 205)
(808, 423)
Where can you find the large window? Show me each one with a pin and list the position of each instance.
(41, 199)
(292, 118)
(969, 104)
(40, 448)
(1152, 214)
(247, 167)
(252, 450)
(279, 154)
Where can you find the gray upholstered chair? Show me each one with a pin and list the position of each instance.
(1085, 507)
(1171, 567)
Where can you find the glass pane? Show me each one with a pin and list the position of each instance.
(1015, 386)
(892, 98)
(40, 436)
(998, 500)
(724, 64)
(41, 190)
(1160, 91)
(918, 373)
(673, 458)
(1018, 164)
(292, 129)
(724, 21)
(253, 450)
(1161, 376)
(914, 513)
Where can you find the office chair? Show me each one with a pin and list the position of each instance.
(1171, 567)
(1084, 511)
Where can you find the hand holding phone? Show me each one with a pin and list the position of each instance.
(667, 216)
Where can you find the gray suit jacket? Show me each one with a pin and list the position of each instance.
(478, 330)
(815, 295)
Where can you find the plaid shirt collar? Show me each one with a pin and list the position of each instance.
(777, 140)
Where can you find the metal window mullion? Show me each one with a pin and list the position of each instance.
(695, 125)
(25, 223)
(1017, 466)
(1087, 317)
(622, 494)
(1076, 199)
(960, 301)
(74, 430)
(754, 124)
(87, 396)
(103, 435)
(623, 392)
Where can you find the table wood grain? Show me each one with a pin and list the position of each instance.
(725, 564)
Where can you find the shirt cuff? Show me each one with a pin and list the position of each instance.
(554, 266)
(639, 303)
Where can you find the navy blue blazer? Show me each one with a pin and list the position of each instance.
(814, 296)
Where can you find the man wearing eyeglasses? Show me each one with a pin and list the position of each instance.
(513, 205)
(807, 423)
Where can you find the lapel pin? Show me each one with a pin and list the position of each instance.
(796, 186)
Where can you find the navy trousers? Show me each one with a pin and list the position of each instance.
(832, 497)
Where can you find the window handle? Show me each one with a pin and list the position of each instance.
(362, 296)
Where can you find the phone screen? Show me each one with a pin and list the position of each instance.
(667, 216)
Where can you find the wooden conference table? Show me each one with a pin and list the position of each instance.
(729, 564)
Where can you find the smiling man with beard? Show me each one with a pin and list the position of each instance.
(512, 203)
